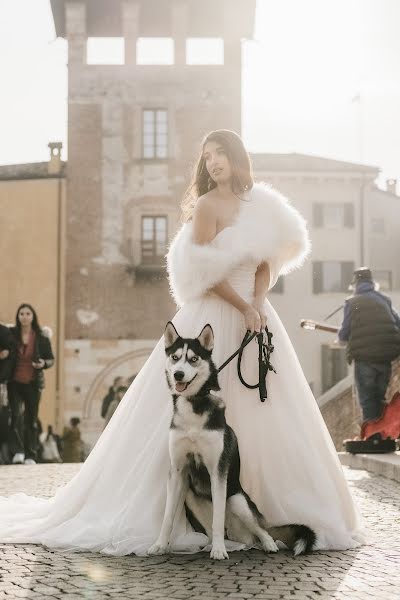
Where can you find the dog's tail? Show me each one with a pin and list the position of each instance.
(299, 538)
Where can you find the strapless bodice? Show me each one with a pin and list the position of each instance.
(242, 277)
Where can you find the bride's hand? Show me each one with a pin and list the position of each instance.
(251, 318)
(260, 308)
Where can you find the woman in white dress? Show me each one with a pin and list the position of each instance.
(237, 238)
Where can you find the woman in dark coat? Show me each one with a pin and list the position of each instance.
(34, 354)
(7, 356)
(7, 353)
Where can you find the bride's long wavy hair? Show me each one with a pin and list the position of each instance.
(201, 183)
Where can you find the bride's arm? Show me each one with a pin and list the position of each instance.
(204, 231)
(261, 285)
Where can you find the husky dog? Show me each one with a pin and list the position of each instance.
(205, 461)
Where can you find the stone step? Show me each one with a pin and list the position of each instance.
(387, 465)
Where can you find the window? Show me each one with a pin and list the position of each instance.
(384, 278)
(204, 51)
(155, 51)
(333, 366)
(333, 215)
(278, 287)
(155, 134)
(105, 51)
(154, 240)
(332, 276)
(378, 225)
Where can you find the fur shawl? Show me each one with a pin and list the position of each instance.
(267, 229)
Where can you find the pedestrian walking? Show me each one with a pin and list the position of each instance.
(7, 354)
(33, 355)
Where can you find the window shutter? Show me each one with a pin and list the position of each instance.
(349, 215)
(317, 277)
(317, 214)
(347, 275)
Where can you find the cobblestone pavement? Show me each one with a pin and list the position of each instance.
(372, 571)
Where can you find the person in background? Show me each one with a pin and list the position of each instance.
(7, 355)
(33, 355)
(371, 329)
(72, 443)
(48, 441)
(119, 394)
(109, 397)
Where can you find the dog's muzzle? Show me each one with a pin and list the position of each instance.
(180, 386)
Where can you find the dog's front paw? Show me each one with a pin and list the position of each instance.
(157, 549)
(268, 544)
(218, 551)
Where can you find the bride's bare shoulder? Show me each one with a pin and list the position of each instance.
(205, 206)
(204, 219)
(206, 202)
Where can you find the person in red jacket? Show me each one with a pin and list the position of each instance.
(34, 354)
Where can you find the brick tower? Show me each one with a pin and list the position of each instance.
(134, 129)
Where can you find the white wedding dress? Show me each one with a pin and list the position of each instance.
(289, 465)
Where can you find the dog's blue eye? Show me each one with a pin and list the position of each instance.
(194, 359)
(174, 357)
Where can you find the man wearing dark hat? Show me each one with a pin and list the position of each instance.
(371, 328)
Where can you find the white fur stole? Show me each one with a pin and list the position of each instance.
(267, 229)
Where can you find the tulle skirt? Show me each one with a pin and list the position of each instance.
(289, 466)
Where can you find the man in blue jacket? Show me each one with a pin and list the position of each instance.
(371, 328)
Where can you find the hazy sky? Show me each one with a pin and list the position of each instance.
(310, 58)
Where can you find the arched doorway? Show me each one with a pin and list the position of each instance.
(126, 365)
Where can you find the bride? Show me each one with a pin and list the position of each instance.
(237, 238)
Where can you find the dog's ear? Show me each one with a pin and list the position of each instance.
(206, 338)
(170, 334)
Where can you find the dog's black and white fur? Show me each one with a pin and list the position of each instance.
(205, 461)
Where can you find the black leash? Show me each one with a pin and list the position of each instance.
(265, 349)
